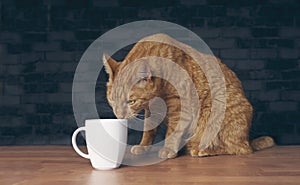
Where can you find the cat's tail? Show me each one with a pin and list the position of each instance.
(262, 143)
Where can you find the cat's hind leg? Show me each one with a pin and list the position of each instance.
(196, 151)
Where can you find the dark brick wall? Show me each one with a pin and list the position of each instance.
(41, 42)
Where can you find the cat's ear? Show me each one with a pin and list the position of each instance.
(110, 65)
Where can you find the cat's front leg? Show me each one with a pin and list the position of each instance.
(145, 144)
(172, 144)
(148, 137)
(174, 134)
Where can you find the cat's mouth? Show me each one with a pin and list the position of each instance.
(140, 115)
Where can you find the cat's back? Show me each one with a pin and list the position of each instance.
(164, 46)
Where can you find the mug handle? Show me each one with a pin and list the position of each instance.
(74, 144)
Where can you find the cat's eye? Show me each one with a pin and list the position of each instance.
(130, 102)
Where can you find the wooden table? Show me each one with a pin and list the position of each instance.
(60, 165)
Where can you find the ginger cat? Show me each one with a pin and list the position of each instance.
(233, 136)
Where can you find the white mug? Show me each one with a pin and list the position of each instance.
(106, 141)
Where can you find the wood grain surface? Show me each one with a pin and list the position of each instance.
(60, 165)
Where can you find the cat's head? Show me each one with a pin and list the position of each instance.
(129, 87)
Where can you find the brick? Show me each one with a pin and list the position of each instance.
(87, 35)
(235, 32)
(63, 119)
(13, 80)
(10, 37)
(264, 74)
(294, 74)
(242, 11)
(28, 108)
(273, 119)
(60, 77)
(34, 77)
(289, 32)
(41, 88)
(276, 21)
(13, 90)
(264, 32)
(265, 43)
(3, 50)
(54, 108)
(7, 110)
(59, 98)
(218, 22)
(65, 87)
(263, 53)
(44, 129)
(18, 48)
(16, 121)
(69, 67)
(7, 140)
(150, 4)
(61, 36)
(27, 140)
(273, 95)
(14, 69)
(9, 100)
(1, 88)
(48, 67)
(197, 22)
(252, 85)
(62, 139)
(272, 11)
(27, 58)
(292, 95)
(46, 119)
(288, 53)
(11, 59)
(293, 116)
(234, 53)
(288, 138)
(221, 43)
(279, 84)
(297, 43)
(46, 46)
(34, 37)
(250, 64)
(59, 56)
(2, 69)
(11, 131)
(205, 11)
(281, 64)
(207, 32)
(33, 98)
(30, 3)
(32, 119)
(104, 3)
(283, 106)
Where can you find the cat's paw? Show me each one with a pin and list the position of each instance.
(139, 149)
(194, 152)
(166, 153)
